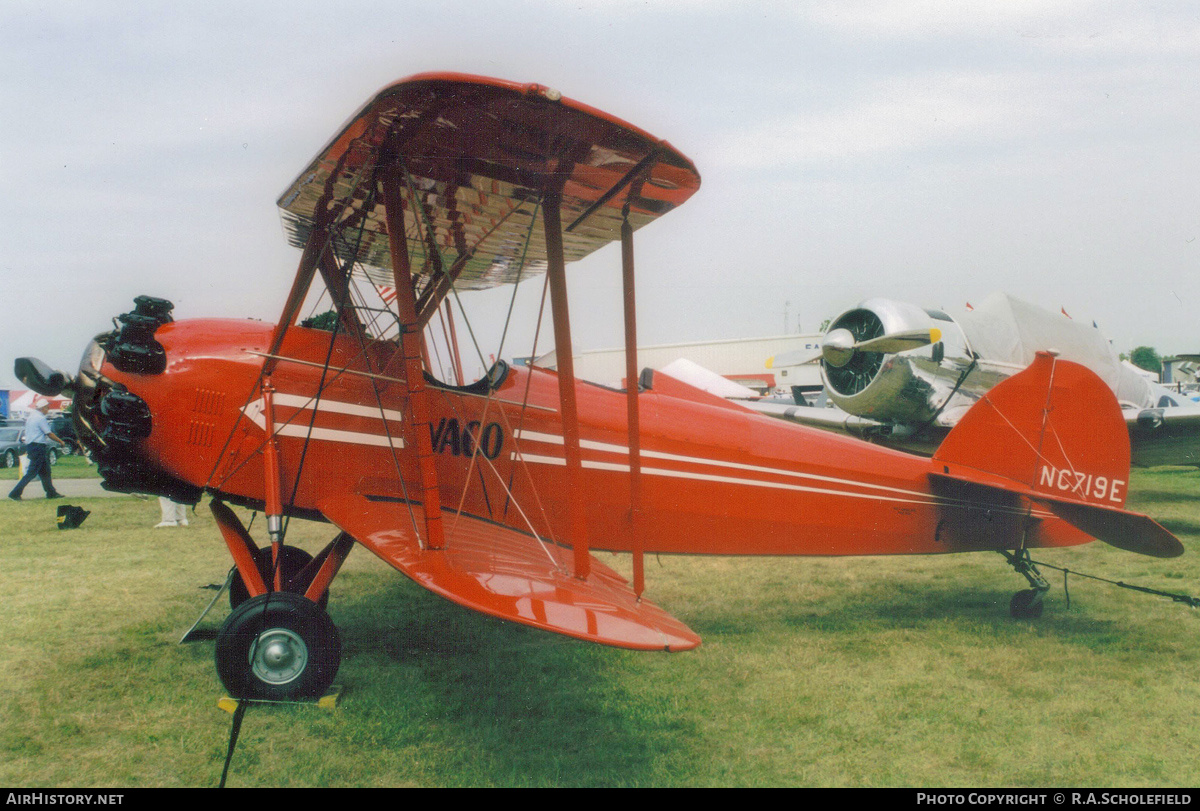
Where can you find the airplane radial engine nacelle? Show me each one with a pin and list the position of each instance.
(876, 384)
(111, 421)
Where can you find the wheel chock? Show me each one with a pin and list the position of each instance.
(328, 701)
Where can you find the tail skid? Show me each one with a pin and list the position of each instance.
(1054, 434)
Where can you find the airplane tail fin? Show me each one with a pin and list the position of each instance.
(1055, 434)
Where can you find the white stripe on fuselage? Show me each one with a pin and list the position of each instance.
(708, 477)
(254, 410)
(880, 492)
(334, 406)
(671, 457)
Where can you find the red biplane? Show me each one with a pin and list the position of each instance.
(492, 494)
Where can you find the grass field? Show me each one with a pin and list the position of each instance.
(813, 672)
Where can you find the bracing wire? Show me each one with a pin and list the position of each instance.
(1186, 599)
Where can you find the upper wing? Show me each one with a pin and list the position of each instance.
(508, 574)
(474, 154)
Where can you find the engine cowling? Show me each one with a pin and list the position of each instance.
(877, 385)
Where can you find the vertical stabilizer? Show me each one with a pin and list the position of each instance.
(1055, 434)
(1055, 427)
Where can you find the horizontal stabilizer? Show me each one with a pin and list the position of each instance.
(1132, 532)
(1126, 530)
(509, 574)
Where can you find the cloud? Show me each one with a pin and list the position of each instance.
(889, 117)
(958, 19)
(959, 78)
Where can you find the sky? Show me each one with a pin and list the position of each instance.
(928, 151)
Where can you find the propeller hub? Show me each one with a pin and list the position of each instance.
(838, 347)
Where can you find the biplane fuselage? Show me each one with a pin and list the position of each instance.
(717, 478)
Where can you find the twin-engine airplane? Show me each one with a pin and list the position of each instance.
(493, 494)
(902, 375)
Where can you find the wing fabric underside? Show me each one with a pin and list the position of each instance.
(507, 574)
(475, 155)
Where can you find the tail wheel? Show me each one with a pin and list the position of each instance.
(292, 562)
(278, 646)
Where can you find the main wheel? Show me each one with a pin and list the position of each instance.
(10, 458)
(1025, 605)
(293, 560)
(278, 646)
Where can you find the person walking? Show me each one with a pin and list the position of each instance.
(37, 439)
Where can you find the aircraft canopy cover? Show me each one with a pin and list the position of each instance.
(1009, 330)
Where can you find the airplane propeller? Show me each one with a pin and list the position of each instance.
(41, 378)
(887, 344)
(840, 346)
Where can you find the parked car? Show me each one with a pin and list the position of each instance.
(11, 445)
(64, 428)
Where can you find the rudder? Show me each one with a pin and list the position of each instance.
(1055, 427)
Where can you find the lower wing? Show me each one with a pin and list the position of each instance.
(504, 573)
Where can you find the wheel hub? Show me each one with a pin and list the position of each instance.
(279, 656)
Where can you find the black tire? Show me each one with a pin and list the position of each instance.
(10, 458)
(278, 647)
(1025, 605)
(293, 562)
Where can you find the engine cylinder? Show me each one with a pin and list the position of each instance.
(134, 349)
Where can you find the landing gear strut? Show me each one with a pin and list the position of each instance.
(292, 564)
(1026, 604)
